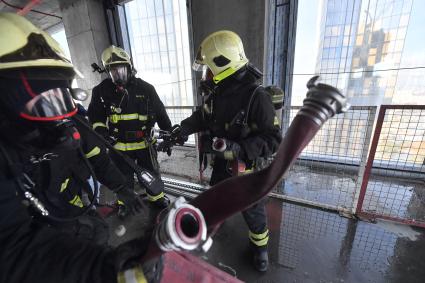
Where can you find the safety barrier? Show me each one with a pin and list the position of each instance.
(393, 185)
(345, 170)
(328, 171)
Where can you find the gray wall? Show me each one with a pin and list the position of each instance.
(245, 17)
(87, 36)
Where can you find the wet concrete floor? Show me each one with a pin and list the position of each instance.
(334, 185)
(311, 245)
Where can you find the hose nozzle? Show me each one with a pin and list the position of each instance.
(182, 229)
(323, 101)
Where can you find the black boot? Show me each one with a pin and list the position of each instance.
(261, 258)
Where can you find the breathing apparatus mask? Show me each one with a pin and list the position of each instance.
(119, 73)
(206, 85)
(36, 111)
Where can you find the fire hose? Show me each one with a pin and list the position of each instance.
(204, 214)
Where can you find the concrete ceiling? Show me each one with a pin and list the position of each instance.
(42, 21)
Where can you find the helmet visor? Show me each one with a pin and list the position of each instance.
(119, 74)
(50, 105)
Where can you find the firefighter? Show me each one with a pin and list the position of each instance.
(35, 106)
(240, 121)
(64, 174)
(124, 109)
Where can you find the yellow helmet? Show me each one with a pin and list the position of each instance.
(223, 53)
(115, 55)
(22, 45)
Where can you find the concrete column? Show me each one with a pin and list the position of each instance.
(87, 35)
(246, 18)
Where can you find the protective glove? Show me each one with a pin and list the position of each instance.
(177, 135)
(165, 146)
(227, 149)
(130, 199)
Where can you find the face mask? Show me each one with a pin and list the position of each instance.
(37, 99)
(206, 85)
(119, 74)
(36, 111)
(50, 105)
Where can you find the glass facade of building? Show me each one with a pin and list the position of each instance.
(159, 41)
(373, 50)
(366, 48)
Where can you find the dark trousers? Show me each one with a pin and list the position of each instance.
(145, 158)
(255, 216)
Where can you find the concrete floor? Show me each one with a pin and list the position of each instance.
(311, 245)
(306, 244)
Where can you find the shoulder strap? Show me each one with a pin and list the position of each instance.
(251, 98)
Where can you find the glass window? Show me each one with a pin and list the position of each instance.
(338, 52)
(401, 34)
(347, 31)
(359, 40)
(159, 9)
(150, 8)
(407, 6)
(325, 53)
(371, 60)
(399, 45)
(327, 42)
(152, 26)
(144, 27)
(154, 46)
(154, 43)
(358, 36)
(161, 25)
(335, 31)
(163, 42)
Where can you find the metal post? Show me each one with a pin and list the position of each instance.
(363, 158)
(369, 164)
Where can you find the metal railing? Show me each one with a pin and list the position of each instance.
(341, 169)
(398, 149)
(328, 171)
